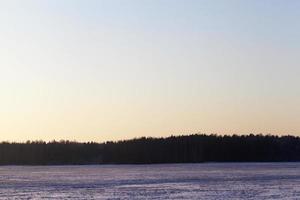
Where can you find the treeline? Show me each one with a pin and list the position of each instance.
(52, 153)
(174, 149)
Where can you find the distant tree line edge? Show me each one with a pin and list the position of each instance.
(196, 148)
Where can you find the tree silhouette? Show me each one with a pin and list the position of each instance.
(174, 149)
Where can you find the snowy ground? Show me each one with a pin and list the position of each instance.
(173, 181)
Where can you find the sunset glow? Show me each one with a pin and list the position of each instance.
(113, 69)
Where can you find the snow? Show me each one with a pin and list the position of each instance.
(166, 181)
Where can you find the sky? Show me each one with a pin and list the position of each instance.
(102, 70)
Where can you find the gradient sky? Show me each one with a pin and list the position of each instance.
(116, 69)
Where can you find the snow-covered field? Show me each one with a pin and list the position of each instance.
(169, 181)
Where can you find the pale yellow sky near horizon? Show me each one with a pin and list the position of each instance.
(111, 69)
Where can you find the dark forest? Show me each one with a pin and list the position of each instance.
(175, 149)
